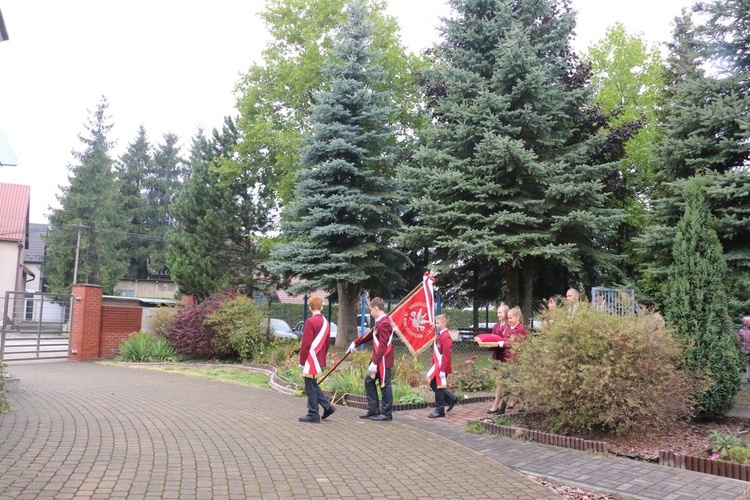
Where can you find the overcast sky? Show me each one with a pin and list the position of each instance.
(171, 66)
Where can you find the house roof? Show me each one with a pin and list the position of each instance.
(35, 252)
(286, 298)
(14, 211)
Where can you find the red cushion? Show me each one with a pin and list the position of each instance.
(488, 337)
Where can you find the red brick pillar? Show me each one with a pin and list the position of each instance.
(85, 324)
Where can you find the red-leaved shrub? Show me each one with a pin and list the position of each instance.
(189, 334)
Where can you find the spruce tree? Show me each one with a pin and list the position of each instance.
(91, 205)
(344, 218)
(131, 172)
(508, 173)
(161, 187)
(706, 122)
(220, 222)
(696, 304)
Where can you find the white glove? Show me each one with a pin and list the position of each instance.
(301, 367)
(500, 344)
(372, 368)
(442, 375)
(351, 349)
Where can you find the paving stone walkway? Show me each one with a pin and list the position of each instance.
(589, 471)
(83, 430)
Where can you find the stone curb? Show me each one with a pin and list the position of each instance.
(720, 468)
(545, 437)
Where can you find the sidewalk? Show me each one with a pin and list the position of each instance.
(588, 471)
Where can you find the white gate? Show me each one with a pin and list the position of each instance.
(35, 326)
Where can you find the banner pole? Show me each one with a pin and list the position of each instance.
(366, 336)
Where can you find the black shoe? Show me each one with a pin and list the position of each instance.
(380, 416)
(328, 412)
(369, 415)
(492, 412)
(501, 410)
(451, 405)
(436, 414)
(310, 419)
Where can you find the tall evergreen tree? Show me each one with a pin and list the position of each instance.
(696, 305)
(277, 93)
(91, 205)
(509, 173)
(161, 186)
(131, 172)
(220, 222)
(344, 217)
(706, 127)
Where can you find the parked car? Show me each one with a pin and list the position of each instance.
(281, 329)
(468, 334)
(301, 324)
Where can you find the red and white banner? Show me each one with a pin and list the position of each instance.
(414, 317)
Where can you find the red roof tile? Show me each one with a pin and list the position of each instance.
(14, 211)
(286, 298)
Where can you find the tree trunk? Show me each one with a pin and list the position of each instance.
(527, 299)
(349, 307)
(511, 286)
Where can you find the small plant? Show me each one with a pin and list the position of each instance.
(504, 420)
(137, 347)
(728, 444)
(408, 371)
(162, 351)
(346, 381)
(475, 427)
(143, 347)
(405, 394)
(5, 406)
(469, 378)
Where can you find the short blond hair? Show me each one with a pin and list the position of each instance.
(444, 317)
(315, 303)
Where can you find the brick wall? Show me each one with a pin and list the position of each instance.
(85, 322)
(117, 323)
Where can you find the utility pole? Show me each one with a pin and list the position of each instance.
(78, 248)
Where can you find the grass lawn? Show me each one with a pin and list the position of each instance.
(221, 373)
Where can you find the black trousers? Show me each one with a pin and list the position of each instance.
(371, 390)
(315, 397)
(441, 396)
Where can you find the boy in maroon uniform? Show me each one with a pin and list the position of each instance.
(441, 367)
(312, 360)
(380, 364)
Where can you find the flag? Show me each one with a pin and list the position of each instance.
(414, 317)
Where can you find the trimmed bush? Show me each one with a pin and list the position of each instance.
(602, 372)
(239, 328)
(160, 319)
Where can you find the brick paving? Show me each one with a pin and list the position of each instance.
(588, 471)
(83, 430)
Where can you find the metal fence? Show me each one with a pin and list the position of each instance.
(35, 326)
